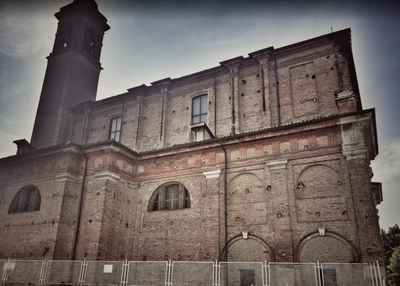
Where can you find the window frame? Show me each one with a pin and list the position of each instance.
(113, 134)
(159, 199)
(203, 104)
(199, 130)
(27, 199)
(64, 37)
(90, 41)
(202, 129)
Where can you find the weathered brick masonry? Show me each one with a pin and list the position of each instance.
(283, 175)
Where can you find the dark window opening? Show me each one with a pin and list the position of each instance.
(64, 37)
(89, 42)
(26, 200)
(170, 197)
(115, 129)
(67, 37)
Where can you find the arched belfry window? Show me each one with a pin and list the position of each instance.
(170, 196)
(89, 43)
(64, 36)
(27, 199)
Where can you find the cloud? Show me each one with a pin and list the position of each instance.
(18, 37)
(25, 26)
(386, 167)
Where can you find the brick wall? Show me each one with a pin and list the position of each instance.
(298, 181)
(245, 96)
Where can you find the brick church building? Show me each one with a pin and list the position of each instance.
(261, 158)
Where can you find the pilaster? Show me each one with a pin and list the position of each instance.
(278, 177)
(212, 224)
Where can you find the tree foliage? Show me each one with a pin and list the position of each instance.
(391, 249)
(390, 240)
(394, 268)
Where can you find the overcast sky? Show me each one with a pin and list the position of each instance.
(153, 39)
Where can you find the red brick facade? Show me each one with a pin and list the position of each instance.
(285, 175)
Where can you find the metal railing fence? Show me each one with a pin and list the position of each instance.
(187, 273)
(304, 274)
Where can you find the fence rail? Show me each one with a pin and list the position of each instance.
(187, 273)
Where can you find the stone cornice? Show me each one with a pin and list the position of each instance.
(68, 176)
(106, 175)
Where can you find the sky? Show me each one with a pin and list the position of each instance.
(151, 40)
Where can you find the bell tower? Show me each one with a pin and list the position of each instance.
(72, 72)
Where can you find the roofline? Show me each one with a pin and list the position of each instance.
(342, 38)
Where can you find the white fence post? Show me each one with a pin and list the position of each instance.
(215, 273)
(376, 274)
(82, 273)
(379, 273)
(124, 274)
(265, 273)
(5, 271)
(320, 274)
(168, 278)
(43, 270)
(372, 274)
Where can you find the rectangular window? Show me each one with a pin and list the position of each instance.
(200, 130)
(199, 109)
(115, 129)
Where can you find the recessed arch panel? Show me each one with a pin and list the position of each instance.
(252, 249)
(330, 248)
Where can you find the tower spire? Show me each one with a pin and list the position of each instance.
(72, 73)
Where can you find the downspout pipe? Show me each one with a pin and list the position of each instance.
(79, 216)
(225, 203)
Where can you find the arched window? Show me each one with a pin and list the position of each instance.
(26, 200)
(171, 196)
(64, 36)
(89, 43)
